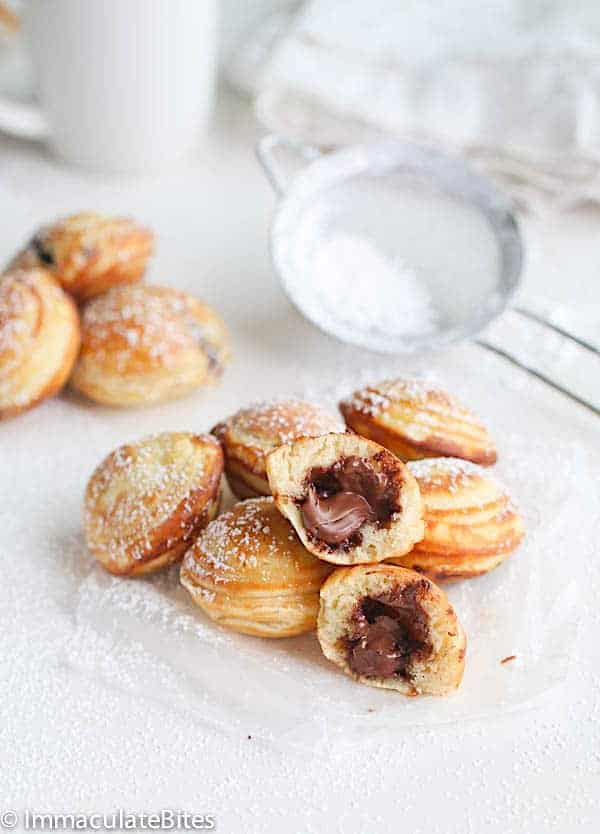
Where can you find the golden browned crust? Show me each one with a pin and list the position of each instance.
(288, 468)
(439, 672)
(471, 524)
(415, 420)
(249, 435)
(88, 253)
(244, 483)
(8, 19)
(143, 344)
(147, 500)
(39, 339)
(249, 572)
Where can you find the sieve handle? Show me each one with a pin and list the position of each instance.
(271, 152)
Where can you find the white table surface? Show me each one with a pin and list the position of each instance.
(536, 771)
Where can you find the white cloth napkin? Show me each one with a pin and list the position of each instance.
(515, 84)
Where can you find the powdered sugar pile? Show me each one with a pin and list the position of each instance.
(361, 286)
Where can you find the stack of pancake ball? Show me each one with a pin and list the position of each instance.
(72, 310)
(342, 526)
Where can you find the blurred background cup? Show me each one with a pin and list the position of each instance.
(122, 86)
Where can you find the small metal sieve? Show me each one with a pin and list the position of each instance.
(444, 249)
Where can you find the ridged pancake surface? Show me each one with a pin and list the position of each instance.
(88, 253)
(471, 524)
(39, 339)
(415, 419)
(251, 433)
(250, 572)
(147, 500)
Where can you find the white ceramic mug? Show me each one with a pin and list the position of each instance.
(121, 85)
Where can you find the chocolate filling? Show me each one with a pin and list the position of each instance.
(45, 256)
(341, 498)
(388, 633)
(334, 520)
(212, 354)
(214, 360)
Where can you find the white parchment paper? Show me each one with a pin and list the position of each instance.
(147, 637)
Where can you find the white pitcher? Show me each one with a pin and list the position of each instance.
(121, 85)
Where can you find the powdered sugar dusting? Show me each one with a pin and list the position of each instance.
(376, 399)
(429, 405)
(454, 474)
(154, 323)
(91, 243)
(16, 301)
(447, 472)
(29, 302)
(296, 675)
(281, 421)
(250, 534)
(20, 303)
(138, 488)
(146, 639)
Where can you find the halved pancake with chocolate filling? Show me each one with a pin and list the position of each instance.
(391, 628)
(251, 433)
(349, 499)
